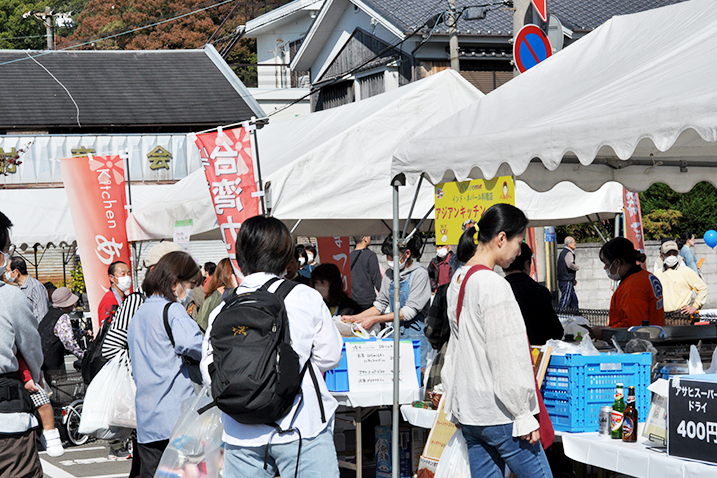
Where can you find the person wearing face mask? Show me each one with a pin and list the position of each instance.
(441, 267)
(120, 283)
(16, 273)
(639, 295)
(415, 294)
(221, 282)
(684, 290)
(161, 376)
(292, 269)
(326, 279)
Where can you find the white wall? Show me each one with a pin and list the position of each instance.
(266, 42)
(271, 99)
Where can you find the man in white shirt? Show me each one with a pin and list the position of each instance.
(264, 248)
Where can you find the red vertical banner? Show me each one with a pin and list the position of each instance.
(633, 220)
(229, 168)
(530, 239)
(335, 250)
(95, 188)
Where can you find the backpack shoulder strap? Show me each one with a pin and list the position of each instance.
(166, 323)
(284, 289)
(471, 271)
(356, 258)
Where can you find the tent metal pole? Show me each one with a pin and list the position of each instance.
(395, 466)
(413, 204)
(592, 223)
(420, 223)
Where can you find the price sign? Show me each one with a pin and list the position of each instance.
(692, 418)
(370, 365)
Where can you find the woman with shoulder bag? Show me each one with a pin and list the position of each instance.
(158, 363)
(488, 374)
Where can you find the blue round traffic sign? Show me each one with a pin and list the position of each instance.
(530, 48)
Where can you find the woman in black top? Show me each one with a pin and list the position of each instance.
(535, 301)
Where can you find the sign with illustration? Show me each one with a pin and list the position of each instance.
(461, 205)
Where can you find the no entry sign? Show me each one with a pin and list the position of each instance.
(530, 48)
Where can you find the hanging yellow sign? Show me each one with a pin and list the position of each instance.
(460, 205)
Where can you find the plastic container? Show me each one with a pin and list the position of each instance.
(337, 380)
(577, 386)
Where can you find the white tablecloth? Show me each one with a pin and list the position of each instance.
(375, 399)
(633, 459)
(419, 417)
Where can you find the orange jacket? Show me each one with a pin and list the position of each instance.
(637, 298)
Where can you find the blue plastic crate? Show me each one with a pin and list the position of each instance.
(337, 380)
(577, 386)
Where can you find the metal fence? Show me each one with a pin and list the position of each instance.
(600, 316)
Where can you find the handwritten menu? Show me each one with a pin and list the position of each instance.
(370, 365)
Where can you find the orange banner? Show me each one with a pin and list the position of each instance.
(335, 250)
(95, 188)
(228, 166)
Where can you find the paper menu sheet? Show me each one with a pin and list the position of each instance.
(370, 365)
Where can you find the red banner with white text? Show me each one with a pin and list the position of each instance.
(335, 250)
(228, 166)
(95, 188)
(633, 220)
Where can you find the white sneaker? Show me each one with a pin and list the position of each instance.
(53, 443)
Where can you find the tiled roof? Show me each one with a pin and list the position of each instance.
(118, 88)
(578, 14)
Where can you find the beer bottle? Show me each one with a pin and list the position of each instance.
(618, 407)
(629, 424)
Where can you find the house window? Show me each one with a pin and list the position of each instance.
(299, 79)
(330, 96)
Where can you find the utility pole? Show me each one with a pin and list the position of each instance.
(521, 8)
(453, 36)
(48, 19)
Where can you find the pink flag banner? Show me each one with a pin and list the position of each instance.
(633, 220)
(95, 188)
(229, 168)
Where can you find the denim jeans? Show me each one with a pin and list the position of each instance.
(416, 332)
(491, 448)
(317, 460)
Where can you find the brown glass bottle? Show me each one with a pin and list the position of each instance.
(629, 423)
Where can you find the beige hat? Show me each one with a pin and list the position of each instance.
(668, 246)
(159, 251)
(63, 297)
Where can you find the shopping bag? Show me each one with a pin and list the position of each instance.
(96, 406)
(122, 411)
(195, 445)
(454, 459)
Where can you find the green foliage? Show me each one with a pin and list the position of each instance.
(585, 232)
(18, 33)
(661, 223)
(698, 207)
(77, 281)
(245, 52)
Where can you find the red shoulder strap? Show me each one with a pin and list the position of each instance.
(471, 271)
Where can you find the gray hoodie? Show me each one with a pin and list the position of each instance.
(18, 332)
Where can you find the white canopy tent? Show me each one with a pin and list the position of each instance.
(634, 102)
(326, 173)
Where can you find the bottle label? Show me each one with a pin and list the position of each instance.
(630, 399)
(619, 394)
(617, 419)
(627, 426)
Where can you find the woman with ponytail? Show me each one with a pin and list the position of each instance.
(488, 373)
(639, 295)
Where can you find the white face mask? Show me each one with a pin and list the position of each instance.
(309, 256)
(9, 277)
(671, 261)
(323, 290)
(616, 275)
(124, 283)
(402, 264)
(442, 252)
(302, 261)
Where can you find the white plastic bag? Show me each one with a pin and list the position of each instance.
(98, 397)
(454, 459)
(122, 412)
(195, 445)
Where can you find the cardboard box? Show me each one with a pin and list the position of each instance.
(383, 452)
(692, 417)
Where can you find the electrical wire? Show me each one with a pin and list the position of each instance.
(59, 83)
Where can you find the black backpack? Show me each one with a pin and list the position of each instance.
(93, 360)
(255, 372)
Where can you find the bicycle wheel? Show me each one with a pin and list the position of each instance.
(72, 425)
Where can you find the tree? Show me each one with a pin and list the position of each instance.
(698, 208)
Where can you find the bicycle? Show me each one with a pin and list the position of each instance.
(67, 398)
